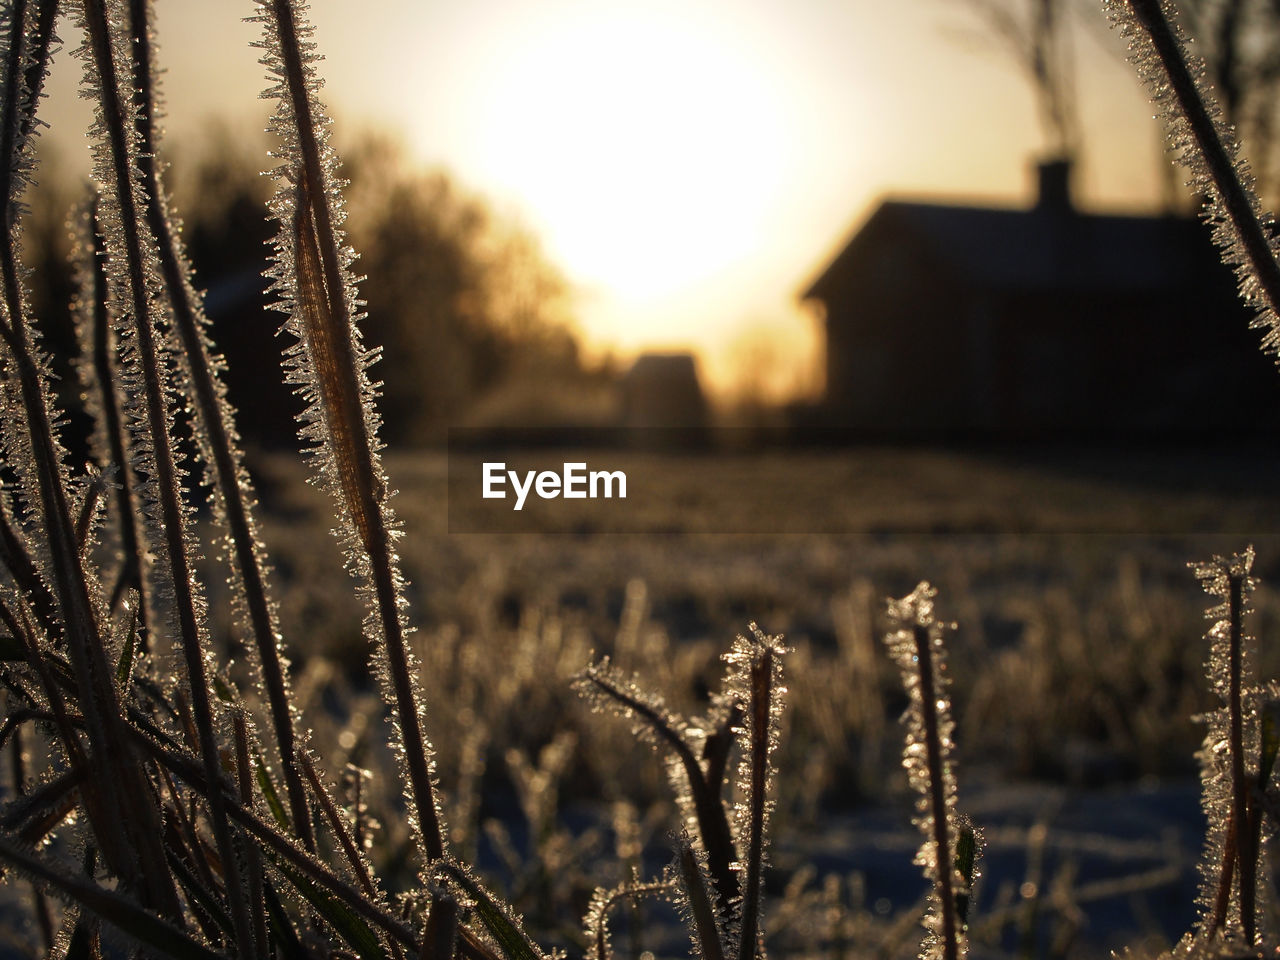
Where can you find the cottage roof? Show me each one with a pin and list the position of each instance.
(1045, 249)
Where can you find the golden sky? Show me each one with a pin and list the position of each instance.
(688, 164)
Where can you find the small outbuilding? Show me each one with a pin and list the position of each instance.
(1043, 322)
(663, 390)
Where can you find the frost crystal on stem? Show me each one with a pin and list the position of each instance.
(916, 645)
(596, 923)
(696, 901)
(755, 680)
(132, 258)
(65, 595)
(1231, 779)
(697, 783)
(199, 373)
(329, 365)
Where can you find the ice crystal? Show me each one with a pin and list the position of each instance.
(596, 922)
(916, 646)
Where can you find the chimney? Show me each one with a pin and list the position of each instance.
(1055, 186)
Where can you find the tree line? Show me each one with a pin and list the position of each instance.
(462, 301)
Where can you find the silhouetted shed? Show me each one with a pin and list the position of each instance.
(662, 390)
(959, 320)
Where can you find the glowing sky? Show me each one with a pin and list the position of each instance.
(689, 165)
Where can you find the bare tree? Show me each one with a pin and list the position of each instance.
(1240, 43)
(1035, 36)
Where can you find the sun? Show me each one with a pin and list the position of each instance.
(647, 146)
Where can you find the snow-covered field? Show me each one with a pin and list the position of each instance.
(1077, 664)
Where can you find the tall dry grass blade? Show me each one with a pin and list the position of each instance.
(95, 491)
(500, 923)
(56, 794)
(1229, 871)
(440, 933)
(699, 903)
(916, 645)
(216, 430)
(1245, 854)
(41, 43)
(332, 358)
(275, 845)
(340, 829)
(968, 850)
(81, 937)
(756, 681)
(19, 622)
(698, 789)
(253, 860)
(1226, 878)
(596, 922)
(111, 906)
(205, 906)
(17, 560)
(937, 788)
(181, 835)
(719, 744)
(129, 843)
(116, 156)
(18, 774)
(109, 441)
(329, 363)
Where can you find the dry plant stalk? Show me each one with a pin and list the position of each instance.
(916, 645)
(129, 259)
(198, 369)
(147, 750)
(720, 861)
(329, 364)
(1246, 238)
(1237, 758)
(111, 787)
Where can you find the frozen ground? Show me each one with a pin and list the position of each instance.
(1064, 871)
(1077, 662)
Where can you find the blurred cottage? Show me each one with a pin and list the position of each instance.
(954, 321)
(662, 390)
